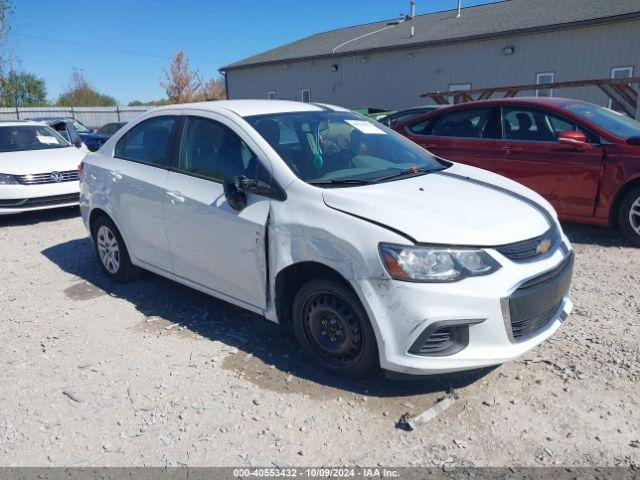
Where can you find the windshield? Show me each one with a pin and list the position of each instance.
(80, 128)
(337, 147)
(29, 137)
(617, 123)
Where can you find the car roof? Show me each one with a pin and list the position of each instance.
(540, 101)
(15, 123)
(247, 108)
(423, 107)
(49, 119)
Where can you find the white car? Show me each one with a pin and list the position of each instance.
(377, 253)
(38, 168)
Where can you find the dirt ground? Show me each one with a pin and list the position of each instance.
(153, 373)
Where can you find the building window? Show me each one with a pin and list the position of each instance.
(543, 79)
(271, 95)
(305, 93)
(619, 72)
(454, 87)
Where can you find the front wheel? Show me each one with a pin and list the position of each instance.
(334, 330)
(629, 216)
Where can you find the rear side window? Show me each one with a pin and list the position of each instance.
(212, 150)
(472, 123)
(148, 142)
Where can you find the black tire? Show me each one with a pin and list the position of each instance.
(348, 347)
(629, 216)
(119, 269)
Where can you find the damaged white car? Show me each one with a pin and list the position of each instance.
(377, 253)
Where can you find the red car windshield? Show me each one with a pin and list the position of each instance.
(616, 123)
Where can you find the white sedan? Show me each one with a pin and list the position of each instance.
(38, 168)
(377, 253)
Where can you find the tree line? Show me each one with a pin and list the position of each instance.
(20, 88)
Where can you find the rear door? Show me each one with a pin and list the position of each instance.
(212, 244)
(462, 135)
(530, 153)
(138, 177)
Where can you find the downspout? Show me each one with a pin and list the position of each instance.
(226, 82)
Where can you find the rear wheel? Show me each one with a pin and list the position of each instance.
(112, 252)
(629, 216)
(334, 329)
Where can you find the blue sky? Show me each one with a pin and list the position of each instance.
(212, 33)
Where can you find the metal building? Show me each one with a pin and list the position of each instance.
(389, 64)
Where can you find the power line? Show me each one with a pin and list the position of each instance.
(106, 49)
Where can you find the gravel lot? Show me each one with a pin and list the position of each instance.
(153, 373)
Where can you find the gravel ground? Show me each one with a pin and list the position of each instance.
(153, 373)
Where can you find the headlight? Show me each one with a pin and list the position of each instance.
(7, 179)
(435, 264)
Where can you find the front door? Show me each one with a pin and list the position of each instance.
(463, 135)
(530, 153)
(212, 244)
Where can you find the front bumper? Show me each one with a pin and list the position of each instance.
(26, 198)
(402, 312)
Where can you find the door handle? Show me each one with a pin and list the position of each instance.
(509, 149)
(176, 197)
(116, 176)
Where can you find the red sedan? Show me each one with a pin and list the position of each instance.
(583, 158)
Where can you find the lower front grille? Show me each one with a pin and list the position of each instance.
(537, 301)
(41, 201)
(525, 327)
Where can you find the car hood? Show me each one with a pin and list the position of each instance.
(40, 161)
(89, 134)
(461, 206)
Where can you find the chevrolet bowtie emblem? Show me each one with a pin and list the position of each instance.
(543, 246)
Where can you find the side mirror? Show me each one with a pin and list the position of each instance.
(635, 141)
(235, 194)
(235, 191)
(577, 140)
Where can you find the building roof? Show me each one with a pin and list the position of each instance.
(490, 20)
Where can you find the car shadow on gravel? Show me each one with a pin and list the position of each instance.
(581, 233)
(267, 355)
(38, 216)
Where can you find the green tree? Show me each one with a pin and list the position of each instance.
(22, 89)
(80, 93)
(152, 103)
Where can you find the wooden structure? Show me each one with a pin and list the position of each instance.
(620, 90)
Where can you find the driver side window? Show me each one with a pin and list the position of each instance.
(212, 150)
(532, 125)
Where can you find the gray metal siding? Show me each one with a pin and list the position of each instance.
(395, 79)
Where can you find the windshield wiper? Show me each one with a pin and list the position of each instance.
(341, 181)
(410, 172)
